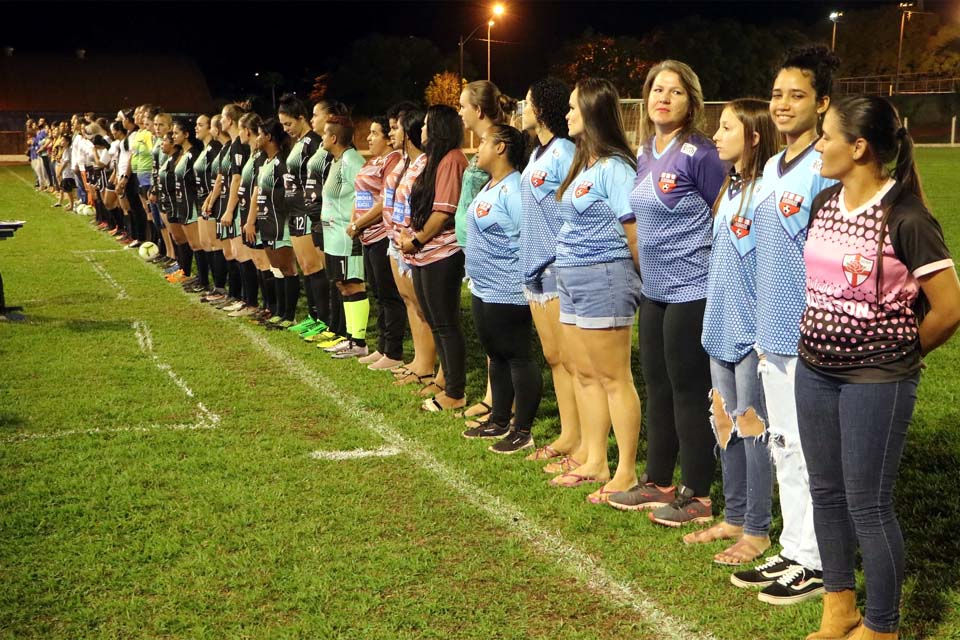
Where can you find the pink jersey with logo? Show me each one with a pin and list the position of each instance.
(854, 326)
(368, 187)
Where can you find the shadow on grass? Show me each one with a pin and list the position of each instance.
(10, 421)
(929, 515)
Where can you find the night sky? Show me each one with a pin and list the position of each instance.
(297, 38)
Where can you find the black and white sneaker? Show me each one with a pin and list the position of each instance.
(487, 429)
(795, 586)
(763, 575)
(512, 442)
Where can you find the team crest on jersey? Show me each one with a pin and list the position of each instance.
(582, 189)
(667, 182)
(538, 178)
(688, 149)
(856, 268)
(790, 203)
(816, 165)
(740, 226)
(556, 153)
(505, 189)
(483, 209)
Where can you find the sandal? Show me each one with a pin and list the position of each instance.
(429, 389)
(565, 465)
(545, 452)
(577, 480)
(484, 411)
(600, 496)
(742, 552)
(432, 405)
(412, 378)
(718, 531)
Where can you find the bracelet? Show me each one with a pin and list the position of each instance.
(416, 243)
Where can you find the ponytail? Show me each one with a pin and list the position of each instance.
(905, 172)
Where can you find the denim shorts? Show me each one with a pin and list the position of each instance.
(599, 296)
(544, 288)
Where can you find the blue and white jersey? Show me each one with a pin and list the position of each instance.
(673, 198)
(541, 212)
(493, 243)
(780, 224)
(595, 206)
(730, 321)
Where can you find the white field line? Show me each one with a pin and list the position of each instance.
(82, 252)
(206, 419)
(19, 177)
(121, 292)
(355, 454)
(552, 545)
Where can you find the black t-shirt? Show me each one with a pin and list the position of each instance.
(297, 170)
(863, 312)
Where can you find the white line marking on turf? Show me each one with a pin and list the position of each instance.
(354, 454)
(552, 545)
(20, 178)
(121, 292)
(88, 251)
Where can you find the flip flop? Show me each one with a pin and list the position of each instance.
(429, 389)
(431, 405)
(743, 551)
(577, 480)
(600, 496)
(486, 409)
(566, 464)
(545, 452)
(711, 534)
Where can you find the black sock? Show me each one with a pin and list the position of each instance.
(268, 290)
(218, 265)
(280, 291)
(250, 274)
(338, 320)
(116, 217)
(203, 268)
(186, 264)
(308, 292)
(235, 279)
(319, 290)
(292, 293)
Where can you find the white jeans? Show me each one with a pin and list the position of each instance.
(41, 172)
(799, 540)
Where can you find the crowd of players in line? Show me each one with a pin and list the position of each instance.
(788, 276)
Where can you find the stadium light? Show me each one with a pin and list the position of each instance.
(497, 10)
(835, 17)
(905, 14)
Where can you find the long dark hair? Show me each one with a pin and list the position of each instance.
(513, 140)
(549, 97)
(291, 105)
(603, 134)
(445, 133)
(188, 126)
(412, 124)
(877, 121)
(273, 128)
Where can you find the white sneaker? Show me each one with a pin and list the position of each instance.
(340, 346)
(353, 351)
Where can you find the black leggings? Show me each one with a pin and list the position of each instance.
(392, 315)
(676, 372)
(505, 331)
(138, 216)
(437, 286)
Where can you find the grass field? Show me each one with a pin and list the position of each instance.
(156, 481)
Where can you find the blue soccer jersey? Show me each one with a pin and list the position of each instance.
(780, 224)
(673, 198)
(493, 243)
(729, 321)
(595, 206)
(541, 211)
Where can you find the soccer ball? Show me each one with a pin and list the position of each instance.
(148, 250)
(87, 210)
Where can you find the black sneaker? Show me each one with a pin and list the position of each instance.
(512, 442)
(487, 429)
(763, 575)
(795, 586)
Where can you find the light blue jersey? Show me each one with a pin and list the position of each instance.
(729, 321)
(780, 224)
(673, 200)
(541, 212)
(595, 206)
(493, 243)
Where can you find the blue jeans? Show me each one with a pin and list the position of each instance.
(852, 437)
(747, 468)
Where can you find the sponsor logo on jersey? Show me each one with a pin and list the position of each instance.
(582, 189)
(790, 203)
(505, 189)
(856, 268)
(483, 209)
(688, 149)
(537, 178)
(667, 182)
(816, 165)
(740, 226)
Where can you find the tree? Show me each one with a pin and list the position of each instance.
(445, 89)
(622, 60)
(320, 85)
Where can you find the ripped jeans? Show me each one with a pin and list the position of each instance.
(738, 417)
(798, 539)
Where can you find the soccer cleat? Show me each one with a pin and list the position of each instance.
(353, 351)
(303, 325)
(794, 586)
(316, 329)
(513, 442)
(332, 342)
(178, 278)
(686, 509)
(323, 336)
(345, 343)
(763, 575)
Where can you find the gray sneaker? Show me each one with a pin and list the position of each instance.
(686, 509)
(645, 495)
(352, 351)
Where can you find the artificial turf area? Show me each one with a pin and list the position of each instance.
(156, 481)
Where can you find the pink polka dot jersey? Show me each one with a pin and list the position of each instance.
(861, 319)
